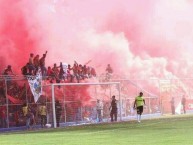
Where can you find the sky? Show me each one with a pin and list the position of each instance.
(140, 39)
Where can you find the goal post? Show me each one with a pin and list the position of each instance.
(53, 97)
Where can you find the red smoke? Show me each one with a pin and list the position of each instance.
(122, 33)
(18, 35)
(140, 39)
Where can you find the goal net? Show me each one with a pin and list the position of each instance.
(80, 102)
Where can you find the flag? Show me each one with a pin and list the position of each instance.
(65, 67)
(35, 83)
(14, 100)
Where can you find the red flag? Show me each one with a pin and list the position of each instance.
(14, 100)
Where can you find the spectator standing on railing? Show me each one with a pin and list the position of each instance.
(8, 70)
(55, 71)
(138, 104)
(42, 64)
(31, 64)
(109, 72)
(75, 71)
(84, 71)
(7, 74)
(25, 70)
(36, 62)
(109, 69)
(79, 71)
(89, 72)
(113, 109)
(69, 73)
(50, 74)
(61, 72)
(93, 72)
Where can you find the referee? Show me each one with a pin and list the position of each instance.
(139, 103)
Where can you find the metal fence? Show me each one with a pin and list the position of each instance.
(79, 101)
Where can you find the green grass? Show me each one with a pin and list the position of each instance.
(176, 130)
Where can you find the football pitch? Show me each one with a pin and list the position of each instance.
(172, 130)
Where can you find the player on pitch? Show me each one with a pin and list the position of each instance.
(138, 104)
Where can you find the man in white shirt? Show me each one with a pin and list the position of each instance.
(99, 108)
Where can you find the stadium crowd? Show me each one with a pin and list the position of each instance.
(16, 89)
(59, 72)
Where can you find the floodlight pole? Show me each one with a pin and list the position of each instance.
(53, 106)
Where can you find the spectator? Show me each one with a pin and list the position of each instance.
(36, 62)
(61, 72)
(58, 112)
(56, 73)
(55, 70)
(50, 74)
(42, 64)
(8, 70)
(3, 115)
(80, 72)
(69, 73)
(93, 72)
(16, 118)
(109, 69)
(31, 64)
(109, 72)
(32, 116)
(43, 113)
(26, 114)
(89, 72)
(173, 106)
(25, 70)
(184, 104)
(113, 109)
(2, 91)
(99, 108)
(138, 104)
(84, 71)
(75, 71)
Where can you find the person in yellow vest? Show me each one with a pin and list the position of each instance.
(43, 113)
(26, 114)
(138, 104)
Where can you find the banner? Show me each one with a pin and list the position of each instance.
(35, 83)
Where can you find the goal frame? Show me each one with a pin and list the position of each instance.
(80, 84)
